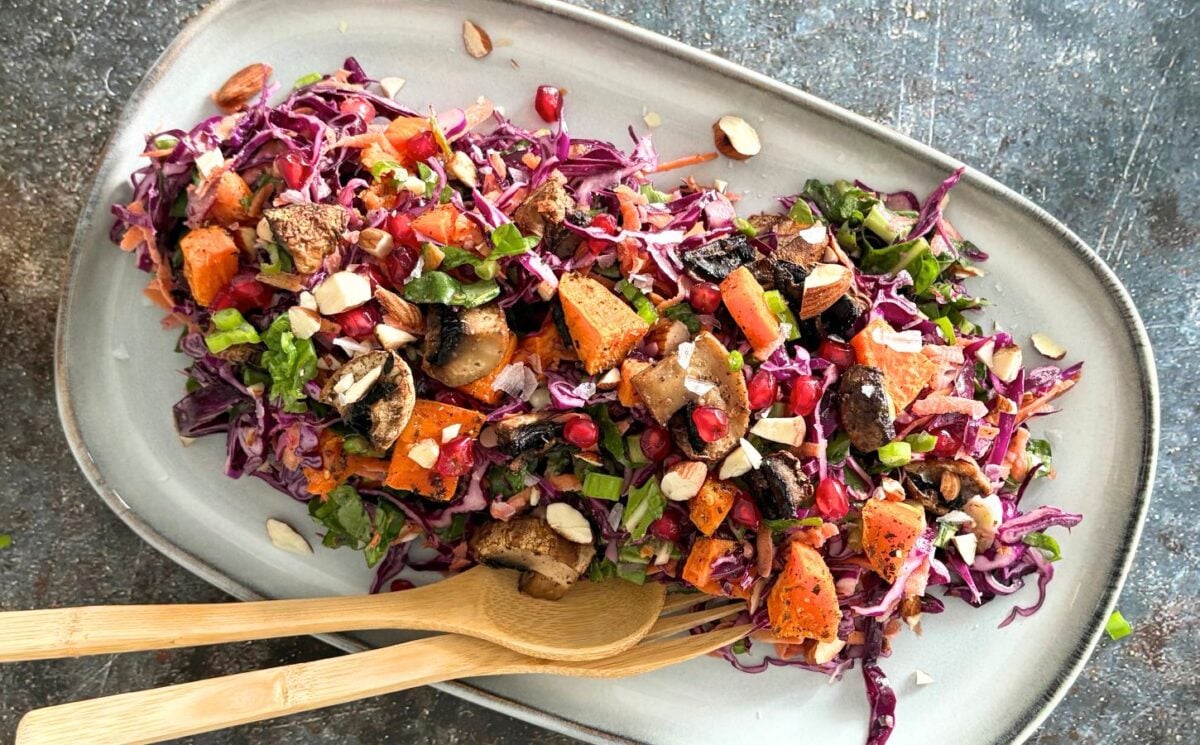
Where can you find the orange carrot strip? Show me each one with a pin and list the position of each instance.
(684, 162)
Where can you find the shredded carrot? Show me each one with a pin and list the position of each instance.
(1034, 406)
(684, 162)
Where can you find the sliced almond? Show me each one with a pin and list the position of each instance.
(391, 338)
(305, 323)
(569, 522)
(462, 168)
(668, 335)
(376, 242)
(609, 380)
(1047, 347)
(825, 651)
(824, 286)
(242, 86)
(684, 480)
(475, 40)
(285, 537)
(402, 314)
(789, 430)
(967, 545)
(424, 453)
(1006, 363)
(391, 86)
(735, 138)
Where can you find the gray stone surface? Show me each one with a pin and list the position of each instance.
(1090, 108)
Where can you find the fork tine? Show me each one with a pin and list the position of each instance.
(683, 600)
(654, 655)
(674, 624)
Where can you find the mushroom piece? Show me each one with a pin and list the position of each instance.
(662, 387)
(374, 393)
(550, 563)
(546, 206)
(945, 484)
(463, 345)
(309, 232)
(779, 486)
(715, 260)
(793, 243)
(866, 410)
(528, 435)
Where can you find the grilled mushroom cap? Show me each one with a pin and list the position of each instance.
(779, 486)
(377, 399)
(789, 244)
(866, 411)
(528, 434)
(463, 345)
(551, 564)
(944, 484)
(715, 260)
(546, 206)
(309, 232)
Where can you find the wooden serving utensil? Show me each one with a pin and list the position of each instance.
(206, 705)
(593, 620)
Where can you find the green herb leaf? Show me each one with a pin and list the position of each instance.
(291, 363)
(840, 201)
(644, 506)
(1042, 457)
(610, 435)
(504, 481)
(1045, 543)
(838, 448)
(439, 287)
(913, 256)
(685, 314)
(348, 523)
(1117, 627)
(508, 241)
(801, 213)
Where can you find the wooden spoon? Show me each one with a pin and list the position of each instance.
(594, 620)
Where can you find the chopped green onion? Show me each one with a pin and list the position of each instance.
(788, 523)
(641, 303)
(1117, 627)
(780, 308)
(602, 486)
(165, 143)
(359, 445)
(429, 176)
(1045, 543)
(895, 454)
(227, 319)
(281, 261)
(736, 360)
(921, 442)
(946, 328)
(946, 531)
(801, 213)
(644, 505)
(309, 79)
(744, 227)
(232, 329)
(636, 457)
(685, 314)
(486, 269)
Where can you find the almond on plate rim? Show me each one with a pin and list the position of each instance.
(241, 86)
(735, 138)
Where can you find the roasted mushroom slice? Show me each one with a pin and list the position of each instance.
(546, 206)
(715, 260)
(779, 486)
(528, 435)
(944, 484)
(309, 232)
(664, 388)
(463, 345)
(374, 393)
(866, 410)
(550, 564)
(793, 243)
(789, 280)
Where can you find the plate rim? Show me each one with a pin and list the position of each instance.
(1035, 712)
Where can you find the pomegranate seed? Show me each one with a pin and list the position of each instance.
(806, 392)
(293, 170)
(359, 323)
(745, 511)
(245, 293)
(398, 265)
(548, 102)
(762, 389)
(581, 432)
(373, 274)
(421, 146)
(833, 501)
(400, 228)
(668, 527)
(705, 297)
(711, 423)
(357, 107)
(401, 584)
(457, 457)
(837, 352)
(946, 446)
(608, 224)
(656, 443)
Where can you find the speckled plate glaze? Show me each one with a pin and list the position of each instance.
(117, 374)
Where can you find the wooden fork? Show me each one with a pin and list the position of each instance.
(206, 705)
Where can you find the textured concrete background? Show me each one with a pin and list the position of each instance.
(1092, 109)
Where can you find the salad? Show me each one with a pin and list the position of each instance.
(462, 340)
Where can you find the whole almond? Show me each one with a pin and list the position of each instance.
(735, 138)
(476, 41)
(825, 284)
(242, 86)
(401, 313)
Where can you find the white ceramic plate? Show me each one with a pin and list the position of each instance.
(117, 373)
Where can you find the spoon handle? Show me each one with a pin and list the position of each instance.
(205, 705)
(73, 632)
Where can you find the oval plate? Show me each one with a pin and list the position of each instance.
(117, 374)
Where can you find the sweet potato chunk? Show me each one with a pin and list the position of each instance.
(709, 508)
(889, 531)
(428, 420)
(905, 373)
(603, 327)
(803, 603)
(210, 259)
